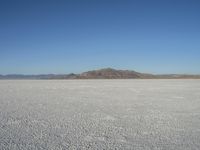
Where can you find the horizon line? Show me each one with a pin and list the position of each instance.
(37, 74)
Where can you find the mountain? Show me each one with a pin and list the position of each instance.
(109, 73)
(106, 73)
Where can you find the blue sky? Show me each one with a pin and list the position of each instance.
(63, 36)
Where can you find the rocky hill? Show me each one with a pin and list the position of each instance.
(109, 73)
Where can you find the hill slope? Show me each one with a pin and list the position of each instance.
(109, 73)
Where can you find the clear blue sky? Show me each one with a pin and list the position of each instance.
(63, 36)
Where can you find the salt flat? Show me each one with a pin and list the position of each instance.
(100, 114)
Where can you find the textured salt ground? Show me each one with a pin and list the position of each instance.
(100, 114)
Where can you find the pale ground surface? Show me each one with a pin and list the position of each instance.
(100, 114)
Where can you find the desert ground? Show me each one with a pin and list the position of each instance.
(100, 114)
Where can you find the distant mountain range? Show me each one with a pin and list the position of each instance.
(107, 73)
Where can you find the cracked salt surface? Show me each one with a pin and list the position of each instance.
(100, 114)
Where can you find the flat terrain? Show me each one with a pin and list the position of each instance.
(100, 114)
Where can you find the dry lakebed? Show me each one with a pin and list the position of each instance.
(100, 114)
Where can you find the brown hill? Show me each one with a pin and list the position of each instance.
(109, 73)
